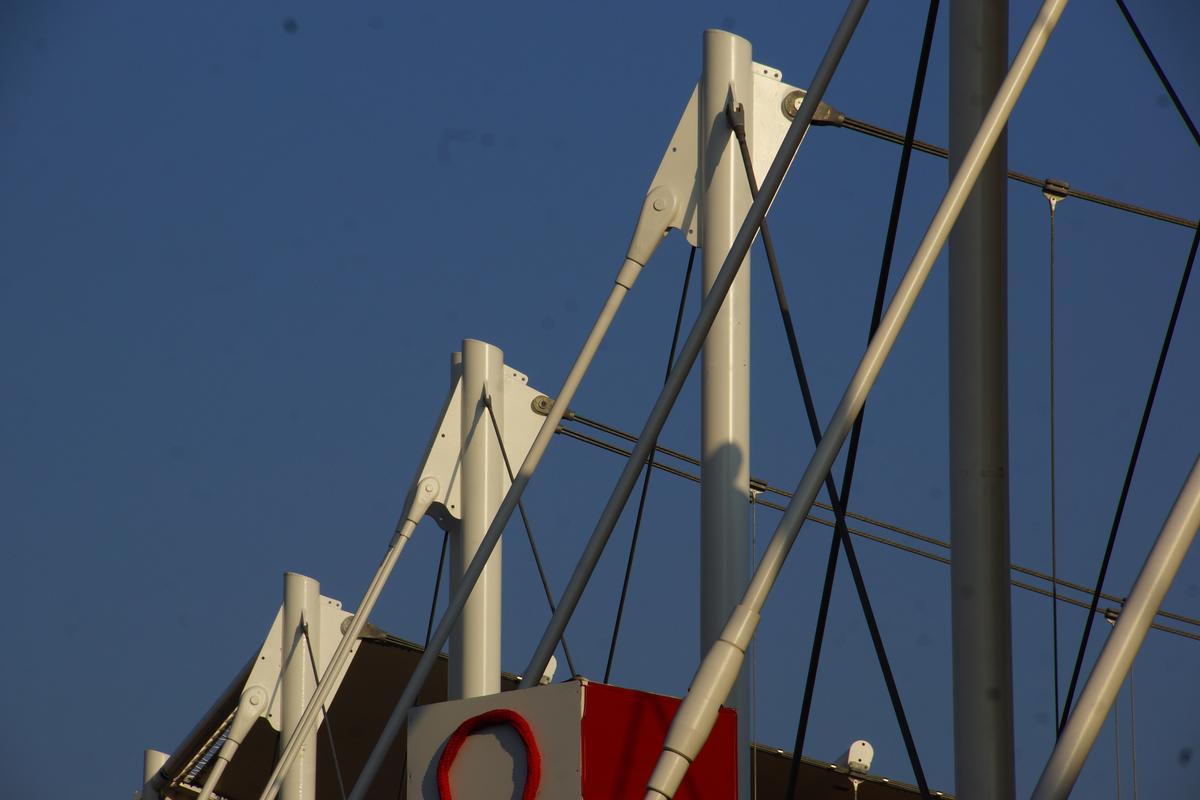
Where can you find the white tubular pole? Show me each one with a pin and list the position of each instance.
(423, 495)
(725, 364)
(690, 349)
(475, 643)
(152, 761)
(1123, 643)
(624, 282)
(715, 677)
(301, 618)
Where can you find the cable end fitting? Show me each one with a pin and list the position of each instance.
(542, 404)
(735, 115)
(826, 114)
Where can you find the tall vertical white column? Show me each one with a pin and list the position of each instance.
(301, 615)
(152, 762)
(725, 367)
(475, 642)
(978, 332)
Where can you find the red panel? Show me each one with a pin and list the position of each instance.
(623, 733)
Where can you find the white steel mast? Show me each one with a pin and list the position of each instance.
(475, 643)
(725, 363)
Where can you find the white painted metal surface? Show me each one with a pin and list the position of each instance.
(725, 199)
(475, 643)
(152, 762)
(264, 694)
(249, 709)
(491, 763)
(437, 490)
(689, 351)
(719, 669)
(679, 169)
(301, 631)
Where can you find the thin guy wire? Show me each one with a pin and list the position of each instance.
(1133, 458)
(766, 487)
(637, 524)
(1162, 76)
(1117, 743)
(753, 654)
(437, 585)
(1187, 119)
(337, 768)
(859, 126)
(602, 445)
(830, 487)
(856, 431)
(1053, 201)
(1132, 731)
(537, 558)
(1116, 711)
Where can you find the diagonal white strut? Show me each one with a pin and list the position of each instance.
(1123, 643)
(659, 214)
(691, 346)
(696, 715)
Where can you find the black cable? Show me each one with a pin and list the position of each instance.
(637, 524)
(859, 126)
(1162, 76)
(337, 767)
(842, 537)
(537, 557)
(437, 585)
(766, 486)
(629, 437)
(1133, 458)
(694, 478)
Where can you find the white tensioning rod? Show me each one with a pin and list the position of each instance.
(695, 717)
(645, 237)
(650, 230)
(423, 495)
(692, 345)
(1123, 643)
(652, 226)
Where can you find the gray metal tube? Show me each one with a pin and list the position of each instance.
(714, 678)
(625, 279)
(691, 346)
(725, 362)
(474, 667)
(301, 617)
(1123, 643)
(980, 595)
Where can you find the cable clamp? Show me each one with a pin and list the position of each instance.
(1055, 190)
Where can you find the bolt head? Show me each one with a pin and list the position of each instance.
(792, 103)
(659, 204)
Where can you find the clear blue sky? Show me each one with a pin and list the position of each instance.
(238, 243)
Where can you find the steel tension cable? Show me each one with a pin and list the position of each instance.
(637, 523)
(841, 535)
